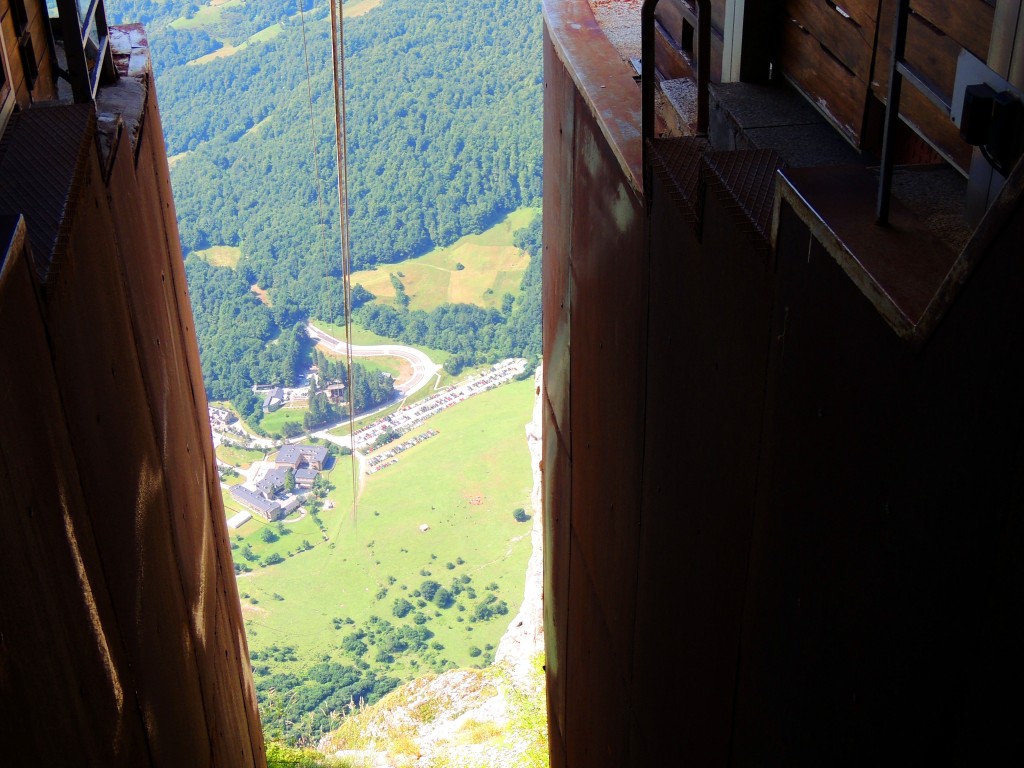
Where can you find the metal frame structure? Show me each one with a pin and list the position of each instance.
(899, 71)
(86, 46)
(648, 73)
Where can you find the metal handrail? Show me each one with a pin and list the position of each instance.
(892, 112)
(75, 36)
(647, 74)
(899, 70)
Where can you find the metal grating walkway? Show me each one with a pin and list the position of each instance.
(742, 180)
(677, 162)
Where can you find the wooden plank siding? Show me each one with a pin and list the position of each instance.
(39, 27)
(936, 33)
(968, 22)
(676, 60)
(38, 24)
(670, 15)
(828, 54)
(671, 61)
(839, 54)
(828, 82)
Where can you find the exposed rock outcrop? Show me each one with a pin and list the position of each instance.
(524, 638)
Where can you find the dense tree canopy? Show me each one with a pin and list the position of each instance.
(443, 106)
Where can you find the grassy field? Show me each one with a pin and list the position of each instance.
(206, 15)
(175, 159)
(267, 33)
(258, 126)
(275, 420)
(226, 49)
(234, 478)
(355, 8)
(391, 365)
(212, 14)
(238, 457)
(361, 336)
(463, 483)
(221, 255)
(492, 266)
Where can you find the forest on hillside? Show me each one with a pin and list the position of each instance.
(444, 137)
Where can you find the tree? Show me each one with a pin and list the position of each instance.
(289, 481)
(443, 598)
(385, 437)
(520, 515)
(429, 588)
(322, 486)
(401, 608)
(268, 535)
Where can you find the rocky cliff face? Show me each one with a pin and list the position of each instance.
(524, 638)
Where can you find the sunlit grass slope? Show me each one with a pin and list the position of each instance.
(491, 267)
(463, 483)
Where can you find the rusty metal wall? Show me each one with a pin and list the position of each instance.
(775, 532)
(111, 497)
(594, 364)
(709, 314)
(888, 496)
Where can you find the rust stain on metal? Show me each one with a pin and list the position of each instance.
(604, 79)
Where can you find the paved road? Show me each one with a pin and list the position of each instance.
(423, 368)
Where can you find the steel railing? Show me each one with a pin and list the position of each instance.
(648, 73)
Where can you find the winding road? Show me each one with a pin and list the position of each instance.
(423, 368)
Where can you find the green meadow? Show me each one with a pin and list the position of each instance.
(221, 255)
(273, 422)
(352, 565)
(491, 266)
(212, 15)
(237, 456)
(206, 15)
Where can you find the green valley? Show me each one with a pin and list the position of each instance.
(370, 588)
(416, 567)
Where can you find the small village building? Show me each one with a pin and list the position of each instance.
(238, 520)
(335, 392)
(273, 400)
(256, 502)
(304, 477)
(294, 456)
(273, 482)
(290, 505)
